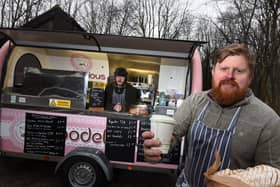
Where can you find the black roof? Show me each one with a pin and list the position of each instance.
(101, 43)
(53, 20)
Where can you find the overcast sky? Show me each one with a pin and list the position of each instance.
(206, 7)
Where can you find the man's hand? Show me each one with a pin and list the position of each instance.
(118, 107)
(151, 155)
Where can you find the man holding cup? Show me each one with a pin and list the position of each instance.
(227, 118)
(162, 127)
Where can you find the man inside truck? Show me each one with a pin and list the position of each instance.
(227, 118)
(120, 95)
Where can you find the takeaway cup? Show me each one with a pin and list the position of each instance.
(162, 126)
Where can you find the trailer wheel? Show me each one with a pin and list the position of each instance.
(83, 172)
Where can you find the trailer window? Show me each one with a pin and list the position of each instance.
(26, 60)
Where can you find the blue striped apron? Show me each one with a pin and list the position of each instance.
(118, 97)
(201, 152)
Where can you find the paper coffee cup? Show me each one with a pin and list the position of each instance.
(162, 126)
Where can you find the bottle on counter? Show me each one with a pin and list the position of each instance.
(162, 99)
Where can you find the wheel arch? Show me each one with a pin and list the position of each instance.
(91, 153)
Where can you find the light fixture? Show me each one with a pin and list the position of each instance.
(142, 71)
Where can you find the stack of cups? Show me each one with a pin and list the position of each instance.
(162, 126)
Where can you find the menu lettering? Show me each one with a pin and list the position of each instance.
(44, 134)
(96, 97)
(120, 139)
(145, 125)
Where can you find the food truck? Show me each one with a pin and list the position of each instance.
(52, 99)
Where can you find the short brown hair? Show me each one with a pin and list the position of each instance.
(235, 49)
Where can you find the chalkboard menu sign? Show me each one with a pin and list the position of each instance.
(173, 157)
(44, 134)
(170, 158)
(96, 98)
(120, 139)
(144, 126)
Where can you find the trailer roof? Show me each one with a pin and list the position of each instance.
(101, 43)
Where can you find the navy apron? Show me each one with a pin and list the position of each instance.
(201, 152)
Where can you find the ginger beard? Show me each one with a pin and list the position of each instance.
(228, 92)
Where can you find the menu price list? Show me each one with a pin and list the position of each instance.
(45, 134)
(120, 139)
(96, 97)
(171, 158)
(144, 126)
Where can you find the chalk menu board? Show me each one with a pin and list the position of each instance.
(120, 139)
(144, 126)
(96, 98)
(170, 158)
(44, 134)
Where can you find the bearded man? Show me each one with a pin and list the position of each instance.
(227, 118)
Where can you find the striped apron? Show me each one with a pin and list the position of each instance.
(201, 152)
(118, 97)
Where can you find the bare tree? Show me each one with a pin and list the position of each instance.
(150, 18)
(99, 16)
(17, 12)
(266, 44)
(124, 17)
(3, 5)
(73, 8)
(175, 20)
(31, 9)
(162, 19)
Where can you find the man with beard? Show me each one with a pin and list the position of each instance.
(228, 118)
(120, 95)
